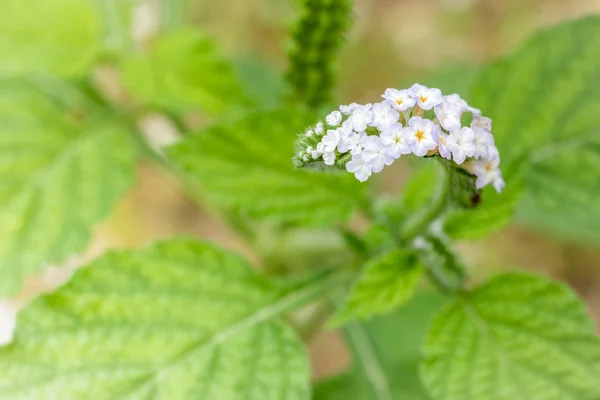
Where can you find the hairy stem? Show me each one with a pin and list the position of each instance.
(421, 220)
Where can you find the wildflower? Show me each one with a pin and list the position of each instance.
(401, 100)
(481, 142)
(375, 154)
(449, 115)
(482, 122)
(359, 167)
(394, 141)
(329, 157)
(347, 125)
(349, 109)
(361, 117)
(384, 115)
(487, 172)
(318, 152)
(461, 143)
(456, 100)
(354, 143)
(419, 135)
(426, 97)
(441, 138)
(498, 183)
(374, 135)
(331, 140)
(319, 128)
(334, 119)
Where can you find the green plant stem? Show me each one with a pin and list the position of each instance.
(366, 354)
(420, 222)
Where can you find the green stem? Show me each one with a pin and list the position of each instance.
(372, 366)
(419, 223)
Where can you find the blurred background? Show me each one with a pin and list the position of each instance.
(393, 43)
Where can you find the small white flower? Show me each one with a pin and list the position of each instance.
(359, 167)
(419, 135)
(347, 125)
(349, 109)
(461, 144)
(334, 119)
(375, 154)
(448, 115)
(498, 183)
(401, 100)
(320, 148)
(361, 117)
(474, 111)
(482, 122)
(481, 140)
(315, 154)
(319, 128)
(354, 143)
(493, 153)
(394, 141)
(309, 133)
(329, 157)
(456, 100)
(309, 149)
(487, 172)
(345, 130)
(305, 158)
(442, 139)
(426, 97)
(384, 115)
(331, 140)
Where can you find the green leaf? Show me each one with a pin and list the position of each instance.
(386, 355)
(184, 71)
(543, 100)
(387, 282)
(58, 178)
(247, 166)
(57, 36)
(516, 337)
(178, 320)
(261, 81)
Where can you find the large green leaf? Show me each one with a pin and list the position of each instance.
(386, 355)
(179, 320)
(387, 282)
(58, 36)
(516, 337)
(184, 71)
(543, 100)
(59, 175)
(247, 165)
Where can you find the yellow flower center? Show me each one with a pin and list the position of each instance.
(399, 101)
(489, 167)
(420, 135)
(423, 99)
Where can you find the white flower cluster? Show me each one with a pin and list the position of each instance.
(419, 121)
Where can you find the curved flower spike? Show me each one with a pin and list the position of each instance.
(364, 138)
